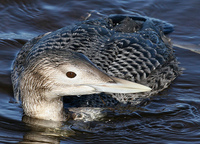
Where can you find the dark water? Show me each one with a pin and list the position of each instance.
(173, 116)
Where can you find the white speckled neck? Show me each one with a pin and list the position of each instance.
(48, 110)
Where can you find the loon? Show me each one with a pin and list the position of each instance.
(118, 59)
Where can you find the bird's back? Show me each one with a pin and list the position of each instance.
(132, 48)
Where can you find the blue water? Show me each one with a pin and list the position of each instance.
(172, 116)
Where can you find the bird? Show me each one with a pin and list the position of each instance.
(103, 62)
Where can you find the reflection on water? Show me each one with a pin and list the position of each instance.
(45, 131)
(170, 117)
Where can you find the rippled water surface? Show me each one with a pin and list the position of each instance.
(173, 116)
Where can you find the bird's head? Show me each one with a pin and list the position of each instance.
(56, 73)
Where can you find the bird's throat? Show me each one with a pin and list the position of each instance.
(47, 110)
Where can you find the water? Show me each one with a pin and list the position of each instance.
(171, 117)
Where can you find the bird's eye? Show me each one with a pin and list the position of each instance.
(70, 74)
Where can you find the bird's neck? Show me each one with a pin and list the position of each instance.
(45, 109)
(35, 101)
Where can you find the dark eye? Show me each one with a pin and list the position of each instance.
(70, 74)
